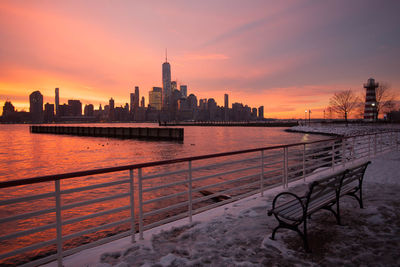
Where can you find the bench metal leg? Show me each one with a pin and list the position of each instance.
(295, 228)
(336, 213)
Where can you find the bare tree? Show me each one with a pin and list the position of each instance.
(344, 102)
(385, 99)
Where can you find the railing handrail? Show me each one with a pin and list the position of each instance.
(62, 176)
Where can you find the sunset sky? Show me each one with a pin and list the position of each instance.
(285, 55)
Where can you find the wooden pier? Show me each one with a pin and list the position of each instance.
(175, 134)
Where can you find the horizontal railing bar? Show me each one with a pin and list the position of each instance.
(28, 248)
(166, 220)
(94, 215)
(95, 229)
(223, 164)
(267, 164)
(224, 173)
(93, 201)
(96, 186)
(25, 199)
(147, 177)
(273, 171)
(27, 215)
(157, 211)
(198, 189)
(165, 186)
(27, 232)
(165, 197)
(201, 199)
(62, 176)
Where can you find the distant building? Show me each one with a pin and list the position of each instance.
(142, 103)
(226, 107)
(132, 102)
(36, 107)
(254, 113)
(203, 103)
(183, 89)
(370, 112)
(174, 86)
(261, 112)
(166, 78)
(48, 112)
(89, 110)
(110, 109)
(192, 101)
(8, 109)
(155, 98)
(57, 100)
(75, 108)
(136, 102)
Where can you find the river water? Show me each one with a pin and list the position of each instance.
(24, 155)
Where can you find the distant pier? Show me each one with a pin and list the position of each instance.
(174, 134)
(232, 124)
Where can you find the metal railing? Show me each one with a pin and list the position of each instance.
(47, 218)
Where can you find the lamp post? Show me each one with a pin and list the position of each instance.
(309, 117)
(305, 117)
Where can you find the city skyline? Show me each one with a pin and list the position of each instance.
(283, 56)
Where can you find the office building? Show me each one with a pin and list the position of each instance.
(136, 102)
(57, 100)
(166, 78)
(75, 108)
(183, 89)
(261, 112)
(155, 98)
(132, 102)
(48, 112)
(36, 107)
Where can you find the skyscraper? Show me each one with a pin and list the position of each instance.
(166, 78)
(132, 102)
(36, 106)
(57, 101)
(136, 102)
(261, 112)
(226, 107)
(155, 98)
(183, 89)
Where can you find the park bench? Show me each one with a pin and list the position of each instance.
(291, 210)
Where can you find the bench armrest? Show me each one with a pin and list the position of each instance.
(299, 199)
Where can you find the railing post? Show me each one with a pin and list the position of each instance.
(333, 155)
(304, 162)
(369, 146)
(140, 204)
(285, 167)
(190, 192)
(262, 174)
(375, 145)
(132, 200)
(59, 224)
(344, 152)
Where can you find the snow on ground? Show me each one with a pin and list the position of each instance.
(342, 129)
(238, 234)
